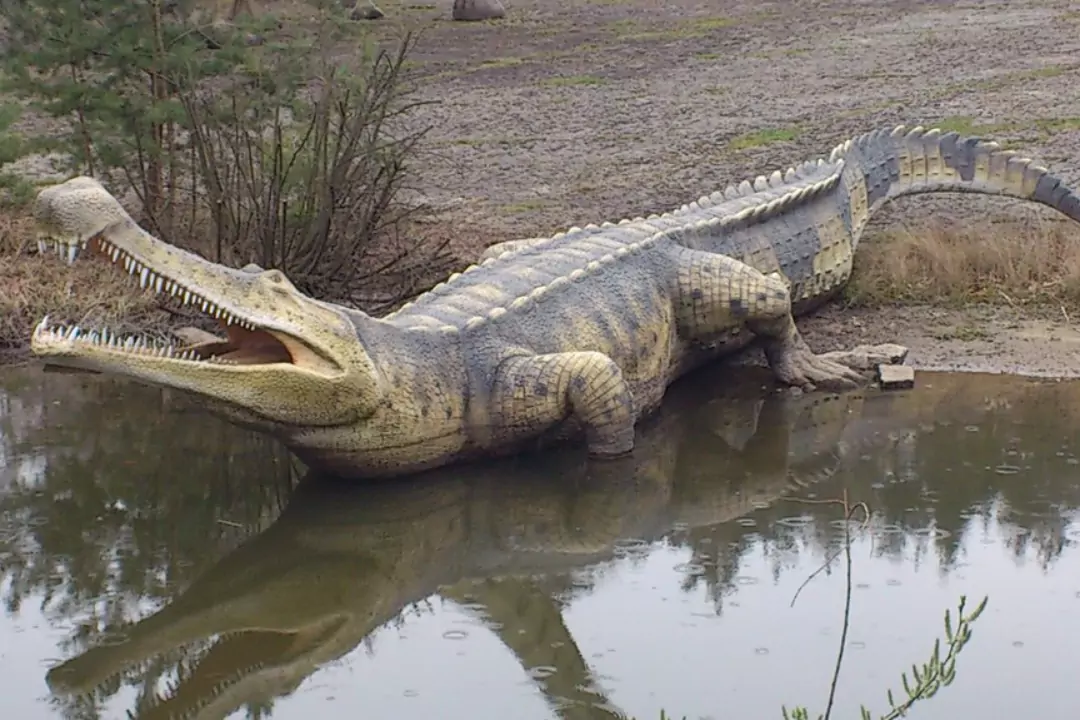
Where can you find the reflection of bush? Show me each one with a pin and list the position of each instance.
(133, 501)
(961, 450)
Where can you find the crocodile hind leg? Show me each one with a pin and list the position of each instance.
(534, 392)
(718, 293)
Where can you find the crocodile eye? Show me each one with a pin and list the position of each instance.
(278, 281)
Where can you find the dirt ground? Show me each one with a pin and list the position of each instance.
(575, 111)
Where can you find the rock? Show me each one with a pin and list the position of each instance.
(473, 10)
(896, 377)
(365, 12)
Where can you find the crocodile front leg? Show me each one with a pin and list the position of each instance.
(534, 392)
(717, 293)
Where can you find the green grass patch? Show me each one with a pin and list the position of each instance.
(524, 206)
(967, 125)
(502, 62)
(763, 138)
(632, 30)
(573, 81)
(1057, 125)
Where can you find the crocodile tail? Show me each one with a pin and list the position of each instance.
(883, 164)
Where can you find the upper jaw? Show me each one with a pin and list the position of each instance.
(268, 341)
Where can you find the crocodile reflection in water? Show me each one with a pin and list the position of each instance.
(341, 561)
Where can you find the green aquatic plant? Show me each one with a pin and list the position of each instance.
(936, 673)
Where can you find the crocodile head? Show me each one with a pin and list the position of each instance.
(285, 359)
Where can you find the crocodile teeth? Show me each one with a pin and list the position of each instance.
(128, 344)
(148, 279)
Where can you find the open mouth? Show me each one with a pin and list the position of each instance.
(244, 343)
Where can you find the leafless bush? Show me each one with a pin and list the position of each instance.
(308, 182)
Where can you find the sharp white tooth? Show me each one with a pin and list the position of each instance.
(129, 343)
(74, 333)
(187, 297)
(41, 247)
(144, 276)
(205, 307)
(157, 283)
(114, 253)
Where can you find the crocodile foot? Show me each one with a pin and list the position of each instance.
(794, 363)
(866, 358)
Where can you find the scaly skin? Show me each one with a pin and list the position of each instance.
(547, 337)
(342, 561)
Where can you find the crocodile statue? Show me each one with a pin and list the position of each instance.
(499, 537)
(577, 334)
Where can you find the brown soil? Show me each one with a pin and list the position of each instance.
(575, 111)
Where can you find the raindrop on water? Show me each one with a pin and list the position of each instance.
(455, 635)
(626, 547)
(690, 568)
(541, 672)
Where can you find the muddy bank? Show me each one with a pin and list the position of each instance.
(982, 339)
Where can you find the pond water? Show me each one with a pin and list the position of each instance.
(157, 562)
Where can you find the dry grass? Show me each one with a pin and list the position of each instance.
(1019, 263)
(35, 285)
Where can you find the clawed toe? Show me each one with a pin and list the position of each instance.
(809, 371)
(867, 357)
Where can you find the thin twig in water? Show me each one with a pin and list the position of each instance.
(847, 547)
(849, 512)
